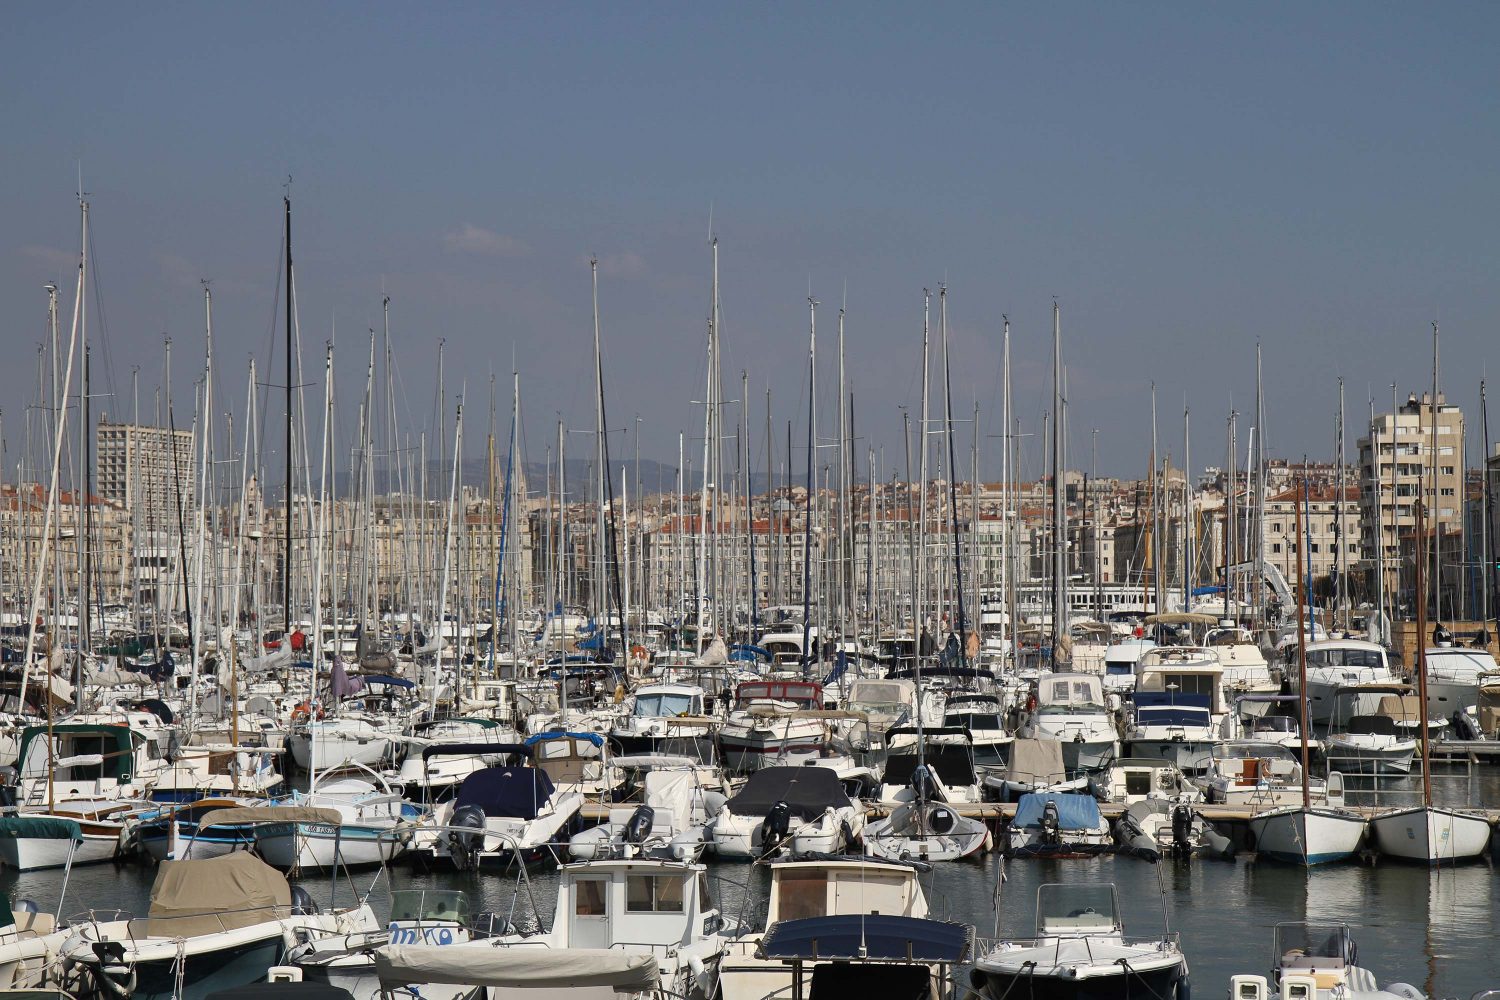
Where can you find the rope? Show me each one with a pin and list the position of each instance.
(1124, 963)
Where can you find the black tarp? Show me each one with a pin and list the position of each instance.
(954, 765)
(518, 792)
(806, 790)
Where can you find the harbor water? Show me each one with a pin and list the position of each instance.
(1431, 928)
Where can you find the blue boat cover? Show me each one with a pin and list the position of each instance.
(400, 682)
(1074, 812)
(557, 734)
(873, 937)
(518, 792)
(1169, 708)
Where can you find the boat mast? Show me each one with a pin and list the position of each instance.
(960, 623)
(1059, 511)
(921, 594)
(1492, 575)
(1340, 564)
(286, 549)
(1437, 526)
(1302, 648)
(1421, 642)
(812, 438)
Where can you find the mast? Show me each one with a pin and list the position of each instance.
(1341, 598)
(286, 550)
(1059, 510)
(1437, 525)
(1421, 642)
(1492, 575)
(1008, 493)
(921, 550)
(958, 566)
(1189, 529)
(1379, 532)
(1302, 648)
(812, 438)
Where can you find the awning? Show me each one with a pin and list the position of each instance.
(246, 815)
(516, 968)
(875, 937)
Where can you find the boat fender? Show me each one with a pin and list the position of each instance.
(1406, 990)
(1184, 989)
(638, 826)
(303, 904)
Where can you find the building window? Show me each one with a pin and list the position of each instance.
(1275, 546)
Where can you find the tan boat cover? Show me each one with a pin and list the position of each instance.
(204, 897)
(245, 815)
(516, 968)
(1033, 760)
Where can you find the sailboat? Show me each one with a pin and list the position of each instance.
(1428, 833)
(1305, 834)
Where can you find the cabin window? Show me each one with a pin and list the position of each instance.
(653, 894)
(803, 894)
(588, 897)
(1137, 782)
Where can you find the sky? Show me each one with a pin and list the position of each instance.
(1184, 180)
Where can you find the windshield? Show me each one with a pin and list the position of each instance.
(1296, 942)
(1275, 724)
(663, 704)
(429, 904)
(1077, 908)
(1340, 656)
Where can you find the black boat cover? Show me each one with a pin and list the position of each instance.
(807, 791)
(518, 792)
(871, 937)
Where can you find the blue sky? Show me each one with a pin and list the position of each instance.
(1185, 179)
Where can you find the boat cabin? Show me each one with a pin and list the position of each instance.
(84, 761)
(635, 904)
(1070, 692)
(806, 695)
(802, 889)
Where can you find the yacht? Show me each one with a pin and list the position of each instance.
(981, 715)
(1057, 825)
(1135, 779)
(653, 711)
(1246, 671)
(1342, 663)
(1070, 708)
(1120, 659)
(1080, 952)
(500, 814)
(765, 722)
(795, 809)
(809, 888)
(1453, 678)
(370, 825)
(1264, 775)
(671, 824)
(1178, 705)
(1370, 744)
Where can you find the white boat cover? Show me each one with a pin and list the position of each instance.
(672, 792)
(190, 898)
(516, 968)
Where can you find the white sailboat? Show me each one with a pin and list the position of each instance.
(1306, 834)
(1428, 834)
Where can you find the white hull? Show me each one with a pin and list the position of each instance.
(1307, 836)
(335, 749)
(1431, 835)
(29, 854)
(292, 848)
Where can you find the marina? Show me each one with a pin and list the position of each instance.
(821, 502)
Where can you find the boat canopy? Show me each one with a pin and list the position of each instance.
(1036, 759)
(386, 679)
(558, 734)
(1182, 618)
(513, 792)
(517, 968)
(191, 898)
(867, 937)
(40, 828)
(248, 815)
(952, 764)
(807, 791)
(1372, 725)
(1074, 812)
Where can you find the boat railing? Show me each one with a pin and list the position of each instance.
(89, 923)
(1170, 941)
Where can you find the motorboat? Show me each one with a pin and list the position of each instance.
(30, 940)
(1246, 672)
(671, 824)
(429, 771)
(950, 775)
(1317, 961)
(1057, 824)
(575, 761)
(372, 825)
(173, 834)
(765, 722)
(885, 705)
(868, 955)
(1307, 835)
(1177, 705)
(1080, 952)
(1170, 828)
(981, 716)
(1264, 775)
(811, 887)
(212, 925)
(1070, 708)
(1370, 744)
(1120, 659)
(499, 814)
(653, 711)
(1453, 678)
(1136, 779)
(1343, 663)
(1036, 765)
(788, 809)
(574, 973)
(638, 906)
(318, 744)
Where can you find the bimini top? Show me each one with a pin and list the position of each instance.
(1074, 812)
(558, 734)
(513, 792)
(517, 968)
(873, 937)
(807, 791)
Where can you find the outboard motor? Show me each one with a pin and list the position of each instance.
(302, 902)
(114, 974)
(638, 826)
(775, 828)
(1051, 824)
(1182, 830)
(922, 785)
(464, 841)
(1464, 726)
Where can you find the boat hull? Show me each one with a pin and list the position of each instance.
(299, 846)
(1161, 983)
(1431, 836)
(1307, 836)
(208, 972)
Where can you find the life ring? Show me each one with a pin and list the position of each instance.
(307, 710)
